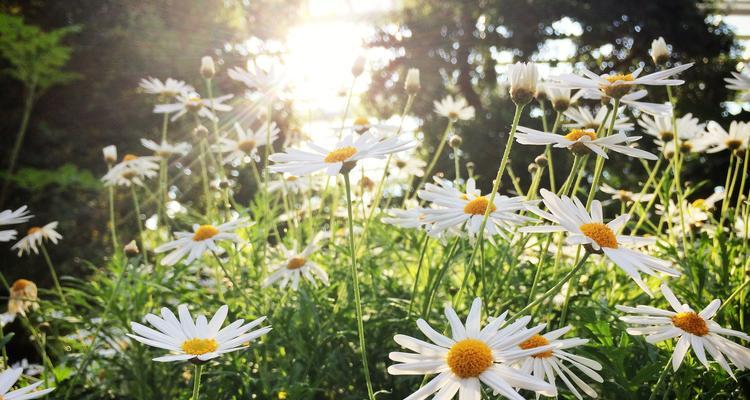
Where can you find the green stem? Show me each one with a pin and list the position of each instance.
(53, 273)
(425, 241)
(456, 164)
(197, 381)
(660, 381)
(436, 156)
(136, 205)
(600, 160)
(231, 279)
(27, 106)
(112, 221)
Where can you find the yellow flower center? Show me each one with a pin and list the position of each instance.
(452, 115)
(361, 121)
(129, 157)
(536, 341)
(32, 231)
(340, 155)
(205, 232)
(733, 144)
(246, 145)
(296, 263)
(21, 285)
(619, 77)
(690, 322)
(616, 88)
(600, 233)
(468, 358)
(478, 206)
(198, 347)
(576, 134)
(699, 203)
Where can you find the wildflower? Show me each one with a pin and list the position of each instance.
(560, 98)
(110, 154)
(358, 67)
(247, 143)
(581, 141)
(192, 102)
(8, 379)
(196, 340)
(203, 238)
(455, 110)
(659, 51)
(290, 183)
(411, 218)
(696, 330)
(411, 83)
(342, 157)
(588, 229)
(35, 236)
(541, 94)
(523, 78)
(10, 217)
(717, 139)
(269, 82)
(618, 85)
(208, 67)
(29, 369)
(471, 356)
(296, 264)
(23, 297)
(550, 363)
(408, 166)
(164, 149)
(165, 90)
(739, 82)
(584, 119)
(693, 215)
(626, 196)
(131, 249)
(131, 170)
(633, 100)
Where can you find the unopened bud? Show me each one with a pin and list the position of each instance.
(200, 131)
(533, 168)
(359, 66)
(659, 51)
(208, 68)
(541, 160)
(455, 141)
(110, 154)
(223, 184)
(412, 84)
(131, 249)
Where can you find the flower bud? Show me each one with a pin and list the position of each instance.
(541, 92)
(412, 84)
(200, 131)
(523, 78)
(208, 68)
(541, 160)
(359, 66)
(131, 249)
(455, 141)
(533, 168)
(110, 154)
(659, 51)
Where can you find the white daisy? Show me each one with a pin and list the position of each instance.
(696, 330)
(165, 149)
(291, 183)
(9, 377)
(168, 88)
(455, 110)
(132, 170)
(618, 85)
(408, 166)
(690, 130)
(380, 129)
(347, 152)
(581, 141)
(192, 102)
(453, 209)
(549, 364)
(633, 100)
(626, 196)
(740, 81)
(717, 139)
(296, 264)
(570, 215)
(10, 217)
(523, 79)
(202, 239)
(196, 341)
(559, 97)
(471, 356)
(659, 51)
(584, 119)
(411, 218)
(247, 143)
(34, 238)
(29, 369)
(270, 82)
(693, 214)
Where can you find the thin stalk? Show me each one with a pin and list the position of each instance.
(422, 251)
(660, 381)
(112, 221)
(436, 156)
(231, 279)
(456, 164)
(27, 106)
(649, 182)
(136, 205)
(548, 153)
(204, 177)
(600, 160)
(447, 258)
(197, 381)
(571, 175)
(53, 273)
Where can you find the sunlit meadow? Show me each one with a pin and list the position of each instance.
(358, 270)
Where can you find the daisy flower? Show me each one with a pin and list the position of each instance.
(10, 217)
(696, 330)
(659, 51)
(9, 377)
(584, 119)
(588, 229)
(690, 130)
(22, 297)
(346, 152)
(247, 143)
(739, 82)
(581, 141)
(167, 89)
(296, 264)
(549, 364)
(131, 170)
(454, 110)
(203, 238)
(559, 97)
(632, 100)
(269, 82)
(717, 139)
(166, 150)
(196, 340)
(192, 102)
(411, 218)
(35, 236)
(453, 209)
(408, 166)
(693, 214)
(618, 85)
(471, 356)
(523, 79)
(626, 196)
(380, 129)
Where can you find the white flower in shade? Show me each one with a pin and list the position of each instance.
(626, 196)
(454, 109)
(618, 85)
(659, 51)
(689, 128)
(408, 166)
(110, 154)
(168, 88)
(196, 340)
(290, 183)
(411, 218)
(581, 141)
(549, 364)
(247, 143)
(453, 210)
(739, 82)
(203, 238)
(633, 100)
(208, 67)
(296, 265)
(740, 228)
(523, 78)
(717, 139)
(347, 152)
(10, 217)
(165, 149)
(694, 329)
(132, 170)
(9, 377)
(192, 102)
(559, 97)
(28, 368)
(588, 229)
(471, 356)
(693, 214)
(269, 81)
(411, 83)
(35, 237)
(584, 119)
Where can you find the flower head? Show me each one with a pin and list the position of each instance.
(297, 264)
(35, 236)
(165, 149)
(717, 139)
(739, 81)
(203, 238)
(132, 170)
(455, 110)
(582, 141)
(165, 90)
(584, 119)
(23, 297)
(247, 143)
(9, 377)
(618, 85)
(411, 83)
(192, 102)
(659, 51)
(523, 78)
(10, 217)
